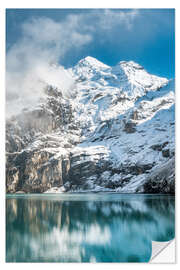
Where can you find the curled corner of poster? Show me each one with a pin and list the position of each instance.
(163, 252)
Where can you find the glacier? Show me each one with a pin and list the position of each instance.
(114, 133)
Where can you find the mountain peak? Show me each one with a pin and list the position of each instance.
(130, 64)
(91, 61)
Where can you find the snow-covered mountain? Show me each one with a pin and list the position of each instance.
(115, 133)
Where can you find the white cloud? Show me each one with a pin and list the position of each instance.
(110, 19)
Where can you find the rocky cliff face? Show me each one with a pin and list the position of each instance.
(115, 133)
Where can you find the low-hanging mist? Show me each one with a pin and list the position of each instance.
(31, 64)
(27, 88)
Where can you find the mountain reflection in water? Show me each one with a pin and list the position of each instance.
(86, 227)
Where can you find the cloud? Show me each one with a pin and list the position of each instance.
(110, 19)
(44, 42)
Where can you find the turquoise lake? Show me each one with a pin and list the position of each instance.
(101, 227)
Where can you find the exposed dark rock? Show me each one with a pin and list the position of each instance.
(158, 147)
(36, 171)
(166, 153)
(80, 172)
(129, 127)
(162, 179)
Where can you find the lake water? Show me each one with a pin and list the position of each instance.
(86, 227)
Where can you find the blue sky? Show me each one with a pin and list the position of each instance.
(146, 36)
